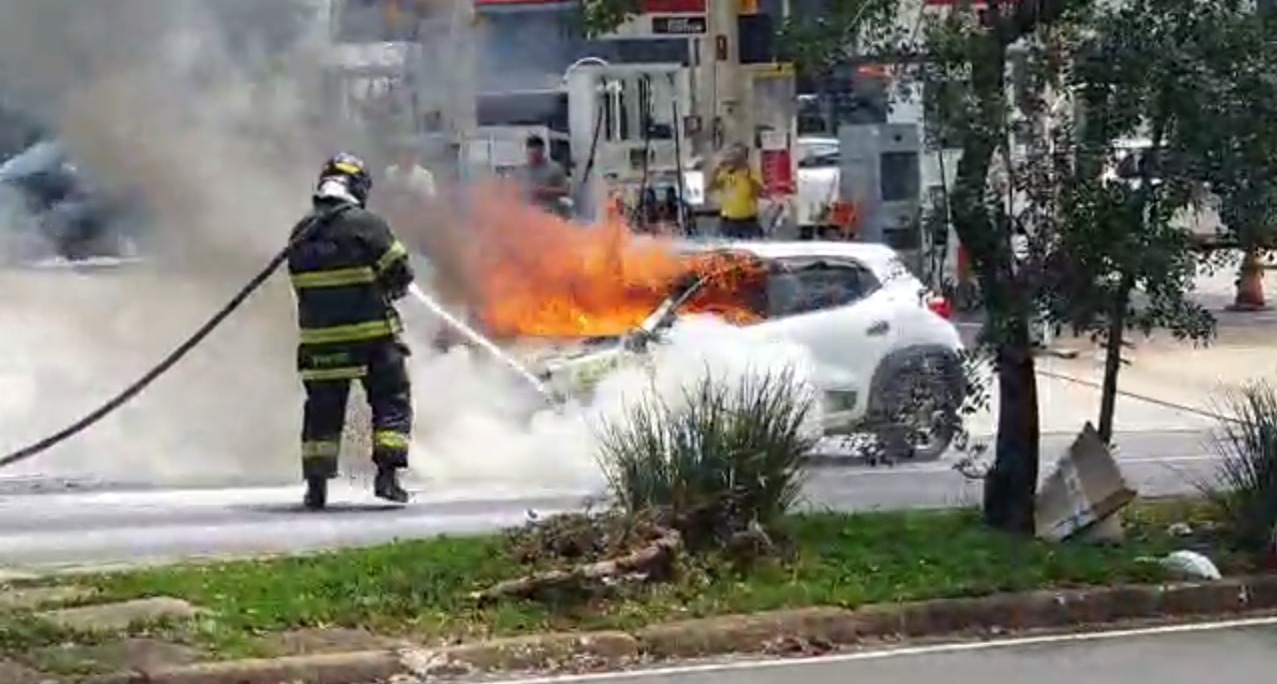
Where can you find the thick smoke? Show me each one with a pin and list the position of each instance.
(164, 99)
(468, 439)
(215, 127)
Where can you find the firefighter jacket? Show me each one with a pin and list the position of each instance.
(347, 269)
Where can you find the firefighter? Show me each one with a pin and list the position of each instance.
(347, 269)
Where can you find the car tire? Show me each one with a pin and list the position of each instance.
(917, 397)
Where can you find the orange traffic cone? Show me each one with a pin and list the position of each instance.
(1250, 285)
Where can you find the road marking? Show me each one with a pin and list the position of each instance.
(902, 652)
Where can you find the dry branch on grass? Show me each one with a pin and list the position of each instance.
(656, 559)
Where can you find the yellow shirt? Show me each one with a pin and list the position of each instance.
(738, 193)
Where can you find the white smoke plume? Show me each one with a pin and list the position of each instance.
(149, 96)
(155, 96)
(468, 439)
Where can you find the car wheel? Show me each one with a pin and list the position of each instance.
(917, 418)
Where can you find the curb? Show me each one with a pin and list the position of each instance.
(337, 668)
(828, 627)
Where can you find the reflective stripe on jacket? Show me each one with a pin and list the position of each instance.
(346, 273)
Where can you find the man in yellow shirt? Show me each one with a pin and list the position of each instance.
(739, 188)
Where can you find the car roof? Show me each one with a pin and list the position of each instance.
(876, 256)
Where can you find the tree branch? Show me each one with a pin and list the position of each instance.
(1028, 15)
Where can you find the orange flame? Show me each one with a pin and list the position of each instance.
(524, 273)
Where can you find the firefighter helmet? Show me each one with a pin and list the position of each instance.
(351, 171)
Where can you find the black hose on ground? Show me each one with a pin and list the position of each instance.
(165, 365)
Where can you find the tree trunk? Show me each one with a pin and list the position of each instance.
(1113, 359)
(1011, 485)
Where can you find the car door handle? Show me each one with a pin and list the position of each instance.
(878, 328)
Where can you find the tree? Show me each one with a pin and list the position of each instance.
(602, 16)
(1040, 227)
(1197, 76)
(819, 43)
(1130, 74)
(977, 47)
(1228, 136)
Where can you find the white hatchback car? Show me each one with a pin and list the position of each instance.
(887, 354)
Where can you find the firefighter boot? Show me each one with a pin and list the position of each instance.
(386, 486)
(316, 493)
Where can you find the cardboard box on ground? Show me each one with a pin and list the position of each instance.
(1084, 495)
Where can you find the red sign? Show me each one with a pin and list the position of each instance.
(777, 168)
(673, 6)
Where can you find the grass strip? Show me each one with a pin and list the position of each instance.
(421, 589)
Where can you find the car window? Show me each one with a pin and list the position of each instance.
(819, 161)
(799, 288)
(816, 155)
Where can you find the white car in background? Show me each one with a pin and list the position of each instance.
(817, 159)
(887, 355)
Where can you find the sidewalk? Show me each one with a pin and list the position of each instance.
(1069, 394)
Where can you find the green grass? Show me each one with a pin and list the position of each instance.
(421, 588)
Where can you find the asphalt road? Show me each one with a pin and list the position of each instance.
(1228, 652)
(49, 522)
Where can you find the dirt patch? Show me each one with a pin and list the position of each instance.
(541, 652)
(14, 673)
(125, 655)
(748, 633)
(336, 640)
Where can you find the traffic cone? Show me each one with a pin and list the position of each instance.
(1250, 284)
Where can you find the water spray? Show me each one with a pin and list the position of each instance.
(484, 343)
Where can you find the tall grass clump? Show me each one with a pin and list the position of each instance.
(727, 456)
(1243, 491)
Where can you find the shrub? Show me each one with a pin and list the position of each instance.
(727, 458)
(1244, 489)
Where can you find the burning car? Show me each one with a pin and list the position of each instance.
(889, 359)
(573, 302)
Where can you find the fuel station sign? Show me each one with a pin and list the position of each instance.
(680, 25)
(664, 19)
